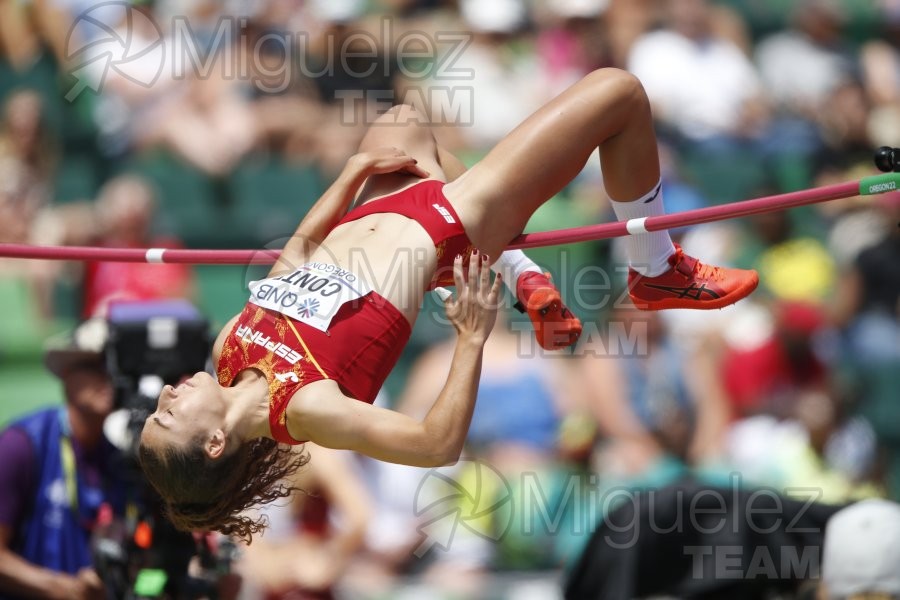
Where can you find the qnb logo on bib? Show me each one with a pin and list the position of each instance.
(311, 294)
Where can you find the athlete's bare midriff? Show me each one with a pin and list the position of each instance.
(391, 253)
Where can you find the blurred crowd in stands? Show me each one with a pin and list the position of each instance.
(795, 388)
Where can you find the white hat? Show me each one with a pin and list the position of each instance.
(575, 9)
(862, 550)
(494, 16)
(83, 346)
(338, 11)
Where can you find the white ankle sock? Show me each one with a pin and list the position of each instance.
(648, 253)
(511, 264)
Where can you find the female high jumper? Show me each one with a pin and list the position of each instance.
(315, 342)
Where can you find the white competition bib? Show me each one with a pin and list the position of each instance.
(312, 294)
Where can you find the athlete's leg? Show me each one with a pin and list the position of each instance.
(555, 326)
(609, 110)
(451, 165)
(405, 128)
(512, 264)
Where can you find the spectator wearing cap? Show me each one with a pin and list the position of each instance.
(861, 554)
(55, 475)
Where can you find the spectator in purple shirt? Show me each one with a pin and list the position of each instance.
(54, 474)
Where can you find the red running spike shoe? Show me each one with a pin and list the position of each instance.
(555, 327)
(690, 284)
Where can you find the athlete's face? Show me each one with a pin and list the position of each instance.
(193, 408)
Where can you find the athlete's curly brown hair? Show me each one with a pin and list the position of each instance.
(205, 494)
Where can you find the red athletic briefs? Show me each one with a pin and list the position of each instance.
(358, 351)
(424, 202)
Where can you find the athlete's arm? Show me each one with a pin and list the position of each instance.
(329, 209)
(332, 419)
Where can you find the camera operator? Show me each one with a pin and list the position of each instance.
(56, 473)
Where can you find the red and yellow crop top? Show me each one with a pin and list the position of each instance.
(358, 351)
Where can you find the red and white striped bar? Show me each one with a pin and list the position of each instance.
(876, 184)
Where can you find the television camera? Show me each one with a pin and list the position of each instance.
(139, 554)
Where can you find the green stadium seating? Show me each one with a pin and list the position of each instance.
(274, 195)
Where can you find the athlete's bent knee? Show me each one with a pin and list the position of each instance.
(624, 86)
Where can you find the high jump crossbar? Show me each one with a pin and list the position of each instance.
(867, 186)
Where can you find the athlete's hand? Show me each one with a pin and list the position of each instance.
(387, 160)
(474, 310)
